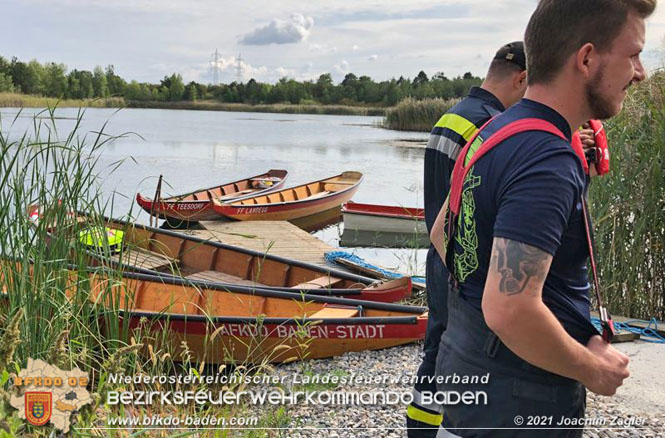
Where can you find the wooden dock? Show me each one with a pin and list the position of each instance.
(279, 238)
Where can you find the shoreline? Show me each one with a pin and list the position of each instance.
(17, 100)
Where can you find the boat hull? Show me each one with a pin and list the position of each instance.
(279, 208)
(178, 209)
(239, 342)
(384, 226)
(259, 325)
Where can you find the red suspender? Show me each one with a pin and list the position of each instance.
(457, 184)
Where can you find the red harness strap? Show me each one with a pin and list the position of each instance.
(457, 184)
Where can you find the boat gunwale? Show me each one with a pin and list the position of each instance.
(258, 291)
(173, 199)
(221, 205)
(408, 211)
(398, 320)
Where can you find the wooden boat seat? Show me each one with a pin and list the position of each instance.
(236, 194)
(335, 312)
(145, 259)
(318, 195)
(220, 277)
(318, 283)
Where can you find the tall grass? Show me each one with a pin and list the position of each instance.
(416, 115)
(45, 306)
(209, 105)
(30, 101)
(628, 205)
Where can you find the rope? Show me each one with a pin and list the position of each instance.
(647, 334)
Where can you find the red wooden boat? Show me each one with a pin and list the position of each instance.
(295, 202)
(163, 252)
(197, 205)
(235, 324)
(218, 324)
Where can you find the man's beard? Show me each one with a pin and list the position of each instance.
(601, 108)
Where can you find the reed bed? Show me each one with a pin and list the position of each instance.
(628, 205)
(416, 115)
(45, 310)
(208, 105)
(30, 101)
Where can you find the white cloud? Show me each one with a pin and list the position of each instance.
(280, 32)
(373, 57)
(342, 67)
(322, 48)
(355, 47)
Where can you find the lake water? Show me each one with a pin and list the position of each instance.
(195, 149)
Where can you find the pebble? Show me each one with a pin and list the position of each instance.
(370, 421)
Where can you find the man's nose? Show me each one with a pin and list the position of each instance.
(640, 74)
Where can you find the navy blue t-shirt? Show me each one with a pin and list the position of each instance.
(528, 189)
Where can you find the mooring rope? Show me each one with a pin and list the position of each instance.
(647, 334)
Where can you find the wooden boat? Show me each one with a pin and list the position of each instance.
(295, 202)
(221, 324)
(197, 205)
(384, 218)
(384, 226)
(157, 251)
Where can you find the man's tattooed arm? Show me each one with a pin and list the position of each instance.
(518, 264)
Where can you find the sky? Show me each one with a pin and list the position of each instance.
(146, 40)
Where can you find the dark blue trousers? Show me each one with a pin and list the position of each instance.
(519, 396)
(423, 420)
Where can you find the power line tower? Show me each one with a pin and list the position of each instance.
(239, 68)
(214, 60)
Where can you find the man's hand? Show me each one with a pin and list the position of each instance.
(513, 309)
(588, 140)
(587, 136)
(611, 368)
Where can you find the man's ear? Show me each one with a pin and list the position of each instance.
(520, 80)
(585, 58)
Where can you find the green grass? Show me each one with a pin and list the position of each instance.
(211, 105)
(628, 205)
(416, 115)
(29, 101)
(45, 308)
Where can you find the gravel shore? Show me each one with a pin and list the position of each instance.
(361, 421)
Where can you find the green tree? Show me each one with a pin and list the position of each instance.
(55, 81)
(191, 93)
(421, 79)
(5, 67)
(24, 77)
(132, 91)
(99, 84)
(6, 84)
(115, 83)
(176, 88)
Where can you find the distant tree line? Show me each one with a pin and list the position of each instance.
(53, 80)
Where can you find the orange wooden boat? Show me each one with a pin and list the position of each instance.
(218, 324)
(156, 251)
(197, 205)
(295, 202)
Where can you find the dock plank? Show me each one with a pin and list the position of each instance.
(279, 238)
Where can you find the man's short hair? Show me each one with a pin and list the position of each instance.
(509, 59)
(558, 28)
